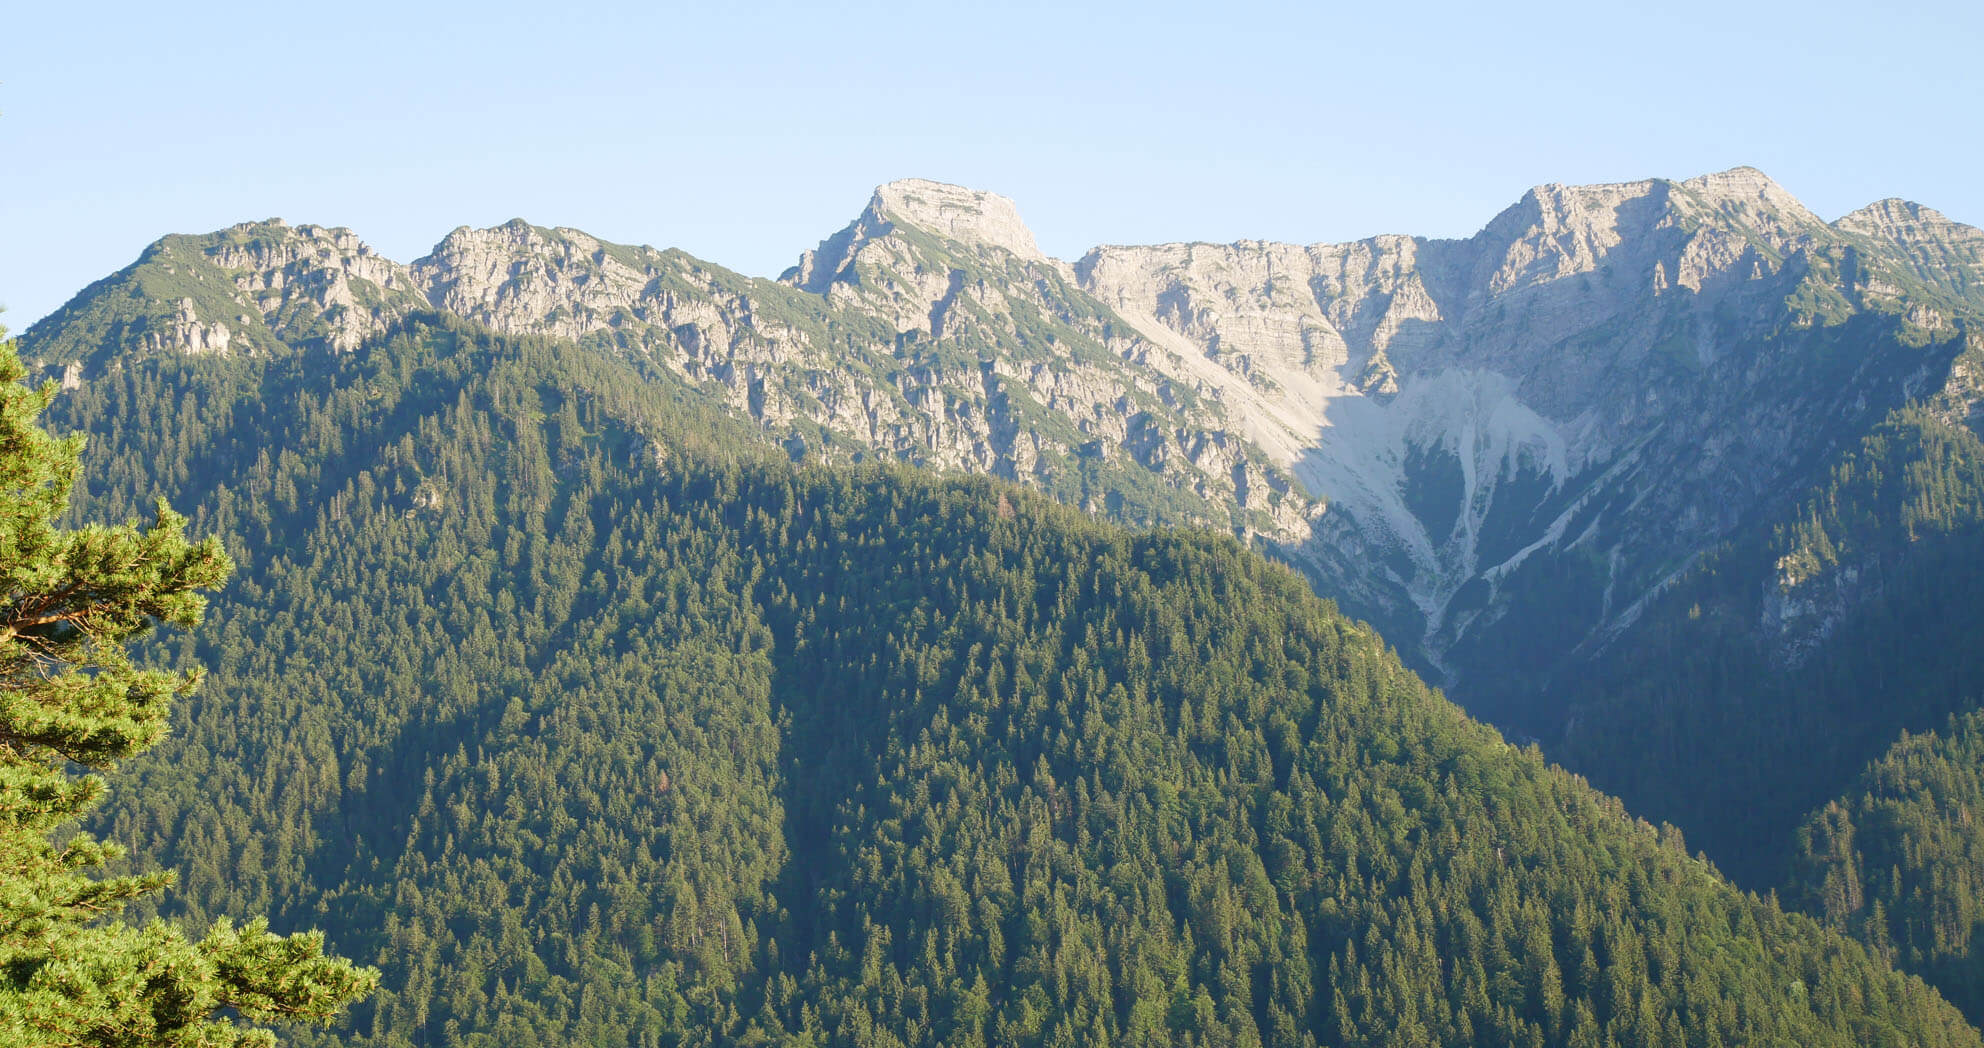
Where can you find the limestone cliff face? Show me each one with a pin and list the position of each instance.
(697, 320)
(311, 282)
(521, 279)
(1533, 428)
(968, 217)
(1603, 381)
(958, 278)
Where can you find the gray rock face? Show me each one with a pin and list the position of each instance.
(1603, 381)
(1541, 423)
(1944, 255)
(308, 276)
(525, 280)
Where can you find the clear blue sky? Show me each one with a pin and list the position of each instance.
(745, 134)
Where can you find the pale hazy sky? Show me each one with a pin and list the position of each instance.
(746, 133)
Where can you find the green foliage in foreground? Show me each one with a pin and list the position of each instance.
(70, 698)
(1899, 859)
(590, 726)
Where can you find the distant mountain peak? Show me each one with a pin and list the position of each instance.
(970, 217)
(1940, 252)
(1892, 216)
(516, 231)
(253, 288)
(1748, 187)
(523, 278)
(272, 242)
(967, 215)
(1739, 179)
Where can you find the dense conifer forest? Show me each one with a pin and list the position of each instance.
(1899, 859)
(587, 720)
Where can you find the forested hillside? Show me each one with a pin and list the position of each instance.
(587, 723)
(1778, 667)
(1899, 858)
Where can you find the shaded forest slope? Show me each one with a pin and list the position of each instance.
(542, 689)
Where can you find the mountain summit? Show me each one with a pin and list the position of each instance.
(956, 213)
(966, 216)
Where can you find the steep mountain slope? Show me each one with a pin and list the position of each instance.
(591, 723)
(1785, 661)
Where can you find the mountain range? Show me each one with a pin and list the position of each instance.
(1555, 415)
(1674, 477)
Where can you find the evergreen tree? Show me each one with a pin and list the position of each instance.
(70, 698)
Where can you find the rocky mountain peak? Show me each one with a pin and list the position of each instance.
(252, 288)
(305, 277)
(526, 279)
(968, 215)
(514, 236)
(1555, 205)
(1933, 249)
(1560, 230)
(1904, 221)
(1746, 199)
(1741, 183)
(1740, 196)
(264, 242)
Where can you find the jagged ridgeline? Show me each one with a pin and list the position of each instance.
(1499, 448)
(589, 723)
(956, 347)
